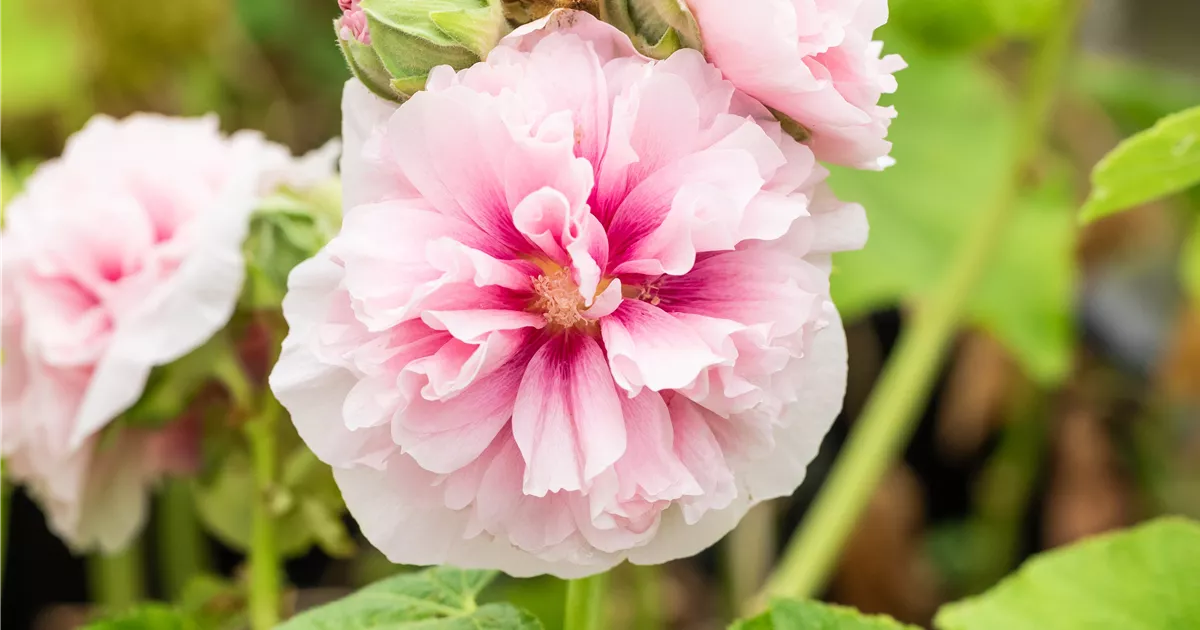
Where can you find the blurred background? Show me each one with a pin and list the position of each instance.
(1071, 402)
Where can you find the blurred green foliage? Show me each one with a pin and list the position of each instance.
(263, 64)
(51, 60)
(307, 504)
(954, 152)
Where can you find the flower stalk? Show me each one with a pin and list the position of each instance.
(265, 571)
(116, 581)
(889, 417)
(182, 548)
(585, 603)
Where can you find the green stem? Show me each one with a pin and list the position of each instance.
(266, 582)
(648, 600)
(888, 419)
(1006, 487)
(748, 552)
(182, 547)
(585, 603)
(5, 503)
(116, 581)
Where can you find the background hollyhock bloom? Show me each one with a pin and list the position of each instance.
(813, 61)
(578, 310)
(124, 254)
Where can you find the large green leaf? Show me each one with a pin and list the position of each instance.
(441, 598)
(1162, 160)
(953, 142)
(791, 614)
(1147, 578)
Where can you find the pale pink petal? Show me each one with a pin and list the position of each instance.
(814, 62)
(567, 420)
(445, 434)
(649, 348)
(820, 381)
(366, 176)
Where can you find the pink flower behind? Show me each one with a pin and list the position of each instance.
(578, 310)
(813, 61)
(122, 255)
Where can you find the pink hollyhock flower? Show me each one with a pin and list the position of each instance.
(124, 254)
(813, 61)
(578, 310)
(353, 23)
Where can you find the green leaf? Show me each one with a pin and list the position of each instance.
(792, 614)
(953, 146)
(214, 602)
(440, 598)
(1162, 160)
(207, 603)
(147, 617)
(309, 506)
(1189, 262)
(1146, 578)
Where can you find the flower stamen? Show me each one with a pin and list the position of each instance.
(558, 298)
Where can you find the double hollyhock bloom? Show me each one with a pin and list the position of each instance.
(122, 255)
(812, 61)
(578, 311)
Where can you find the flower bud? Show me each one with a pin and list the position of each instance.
(391, 45)
(657, 27)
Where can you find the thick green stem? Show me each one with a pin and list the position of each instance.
(182, 548)
(888, 419)
(5, 502)
(116, 581)
(585, 603)
(266, 569)
(648, 602)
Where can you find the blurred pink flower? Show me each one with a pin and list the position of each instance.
(814, 61)
(124, 254)
(353, 23)
(578, 310)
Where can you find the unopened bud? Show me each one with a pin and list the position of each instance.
(657, 27)
(391, 45)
